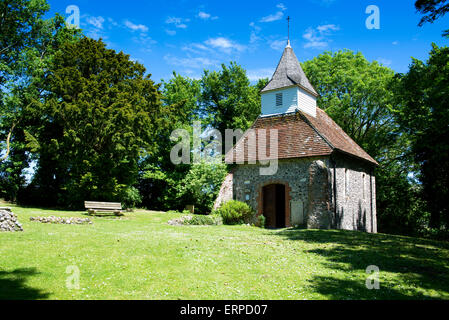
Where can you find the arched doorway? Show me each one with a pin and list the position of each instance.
(274, 209)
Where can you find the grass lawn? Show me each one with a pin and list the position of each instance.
(140, 256)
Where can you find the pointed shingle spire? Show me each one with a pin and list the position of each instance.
(289, 73)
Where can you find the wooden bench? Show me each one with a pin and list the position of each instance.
(94, 207)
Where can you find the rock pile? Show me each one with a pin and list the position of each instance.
(8, 221)
(60, 220)
(180, 221)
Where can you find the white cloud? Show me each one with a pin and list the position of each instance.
(197, 62)
(144, 40)
(136, 27)
(254, 35)
(112, 22)
(278, 45)
(224, 44)
(97, 22)
(276, 16)
(385, 62)
(177, 22)
(281, 6)
(206, 16)
(96, 34)
(317, 38)
(170, 32)
(255, 75)
(93, 26)
(273, 17)
(326, 28)
(203, 15)
(395, 43)
(197, 48)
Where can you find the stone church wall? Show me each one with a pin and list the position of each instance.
(248, 184)
(226, 191)
(310, 190)
(355, 193)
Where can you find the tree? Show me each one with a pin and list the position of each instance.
(100, 114)
(20, 24)
(28, 43)
(433, 10)
(228, 100)
(359, 96)
(423, 113)
(201, 185)
(220, 99)
(183, 94)
(158, 176)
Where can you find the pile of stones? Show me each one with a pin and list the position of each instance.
(8, 221)
(180, 221)
(59, 220)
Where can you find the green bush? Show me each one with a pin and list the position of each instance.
(261, 220)
(184, 212)
(201, 185)
(236, 212)
(210, 220)
(130, 197)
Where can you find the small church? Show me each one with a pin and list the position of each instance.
(324, 180)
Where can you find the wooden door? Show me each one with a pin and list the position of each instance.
(269, 205)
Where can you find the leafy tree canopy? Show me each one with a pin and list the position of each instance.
(360, 96)
(228, 100)
(357, 94)
(432, 10)
(423, 113)
(28, 43)
(100, 114)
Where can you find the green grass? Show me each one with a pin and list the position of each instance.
(140, 256)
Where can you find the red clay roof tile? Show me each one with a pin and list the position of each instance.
(299, 135)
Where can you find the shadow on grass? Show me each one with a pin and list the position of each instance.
(103, 215)
(13, 285)
(412, 264)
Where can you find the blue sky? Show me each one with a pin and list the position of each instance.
(188, 36)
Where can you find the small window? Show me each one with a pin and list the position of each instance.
(279, 101)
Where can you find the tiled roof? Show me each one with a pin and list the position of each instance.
(299, 136)
(289, 73)
(335, 135)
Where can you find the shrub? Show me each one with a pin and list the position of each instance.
(261, 220)
(197, 220)
(236, 212)
(184, 212)
(130, 197)
(210, 220)
(201, 185)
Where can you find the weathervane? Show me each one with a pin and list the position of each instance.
(288, 32)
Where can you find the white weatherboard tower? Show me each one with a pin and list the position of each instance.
(289, 89)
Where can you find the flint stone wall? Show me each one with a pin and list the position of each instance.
(355, 188)
(348, 202)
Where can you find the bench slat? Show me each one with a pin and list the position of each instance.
(103, 205)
